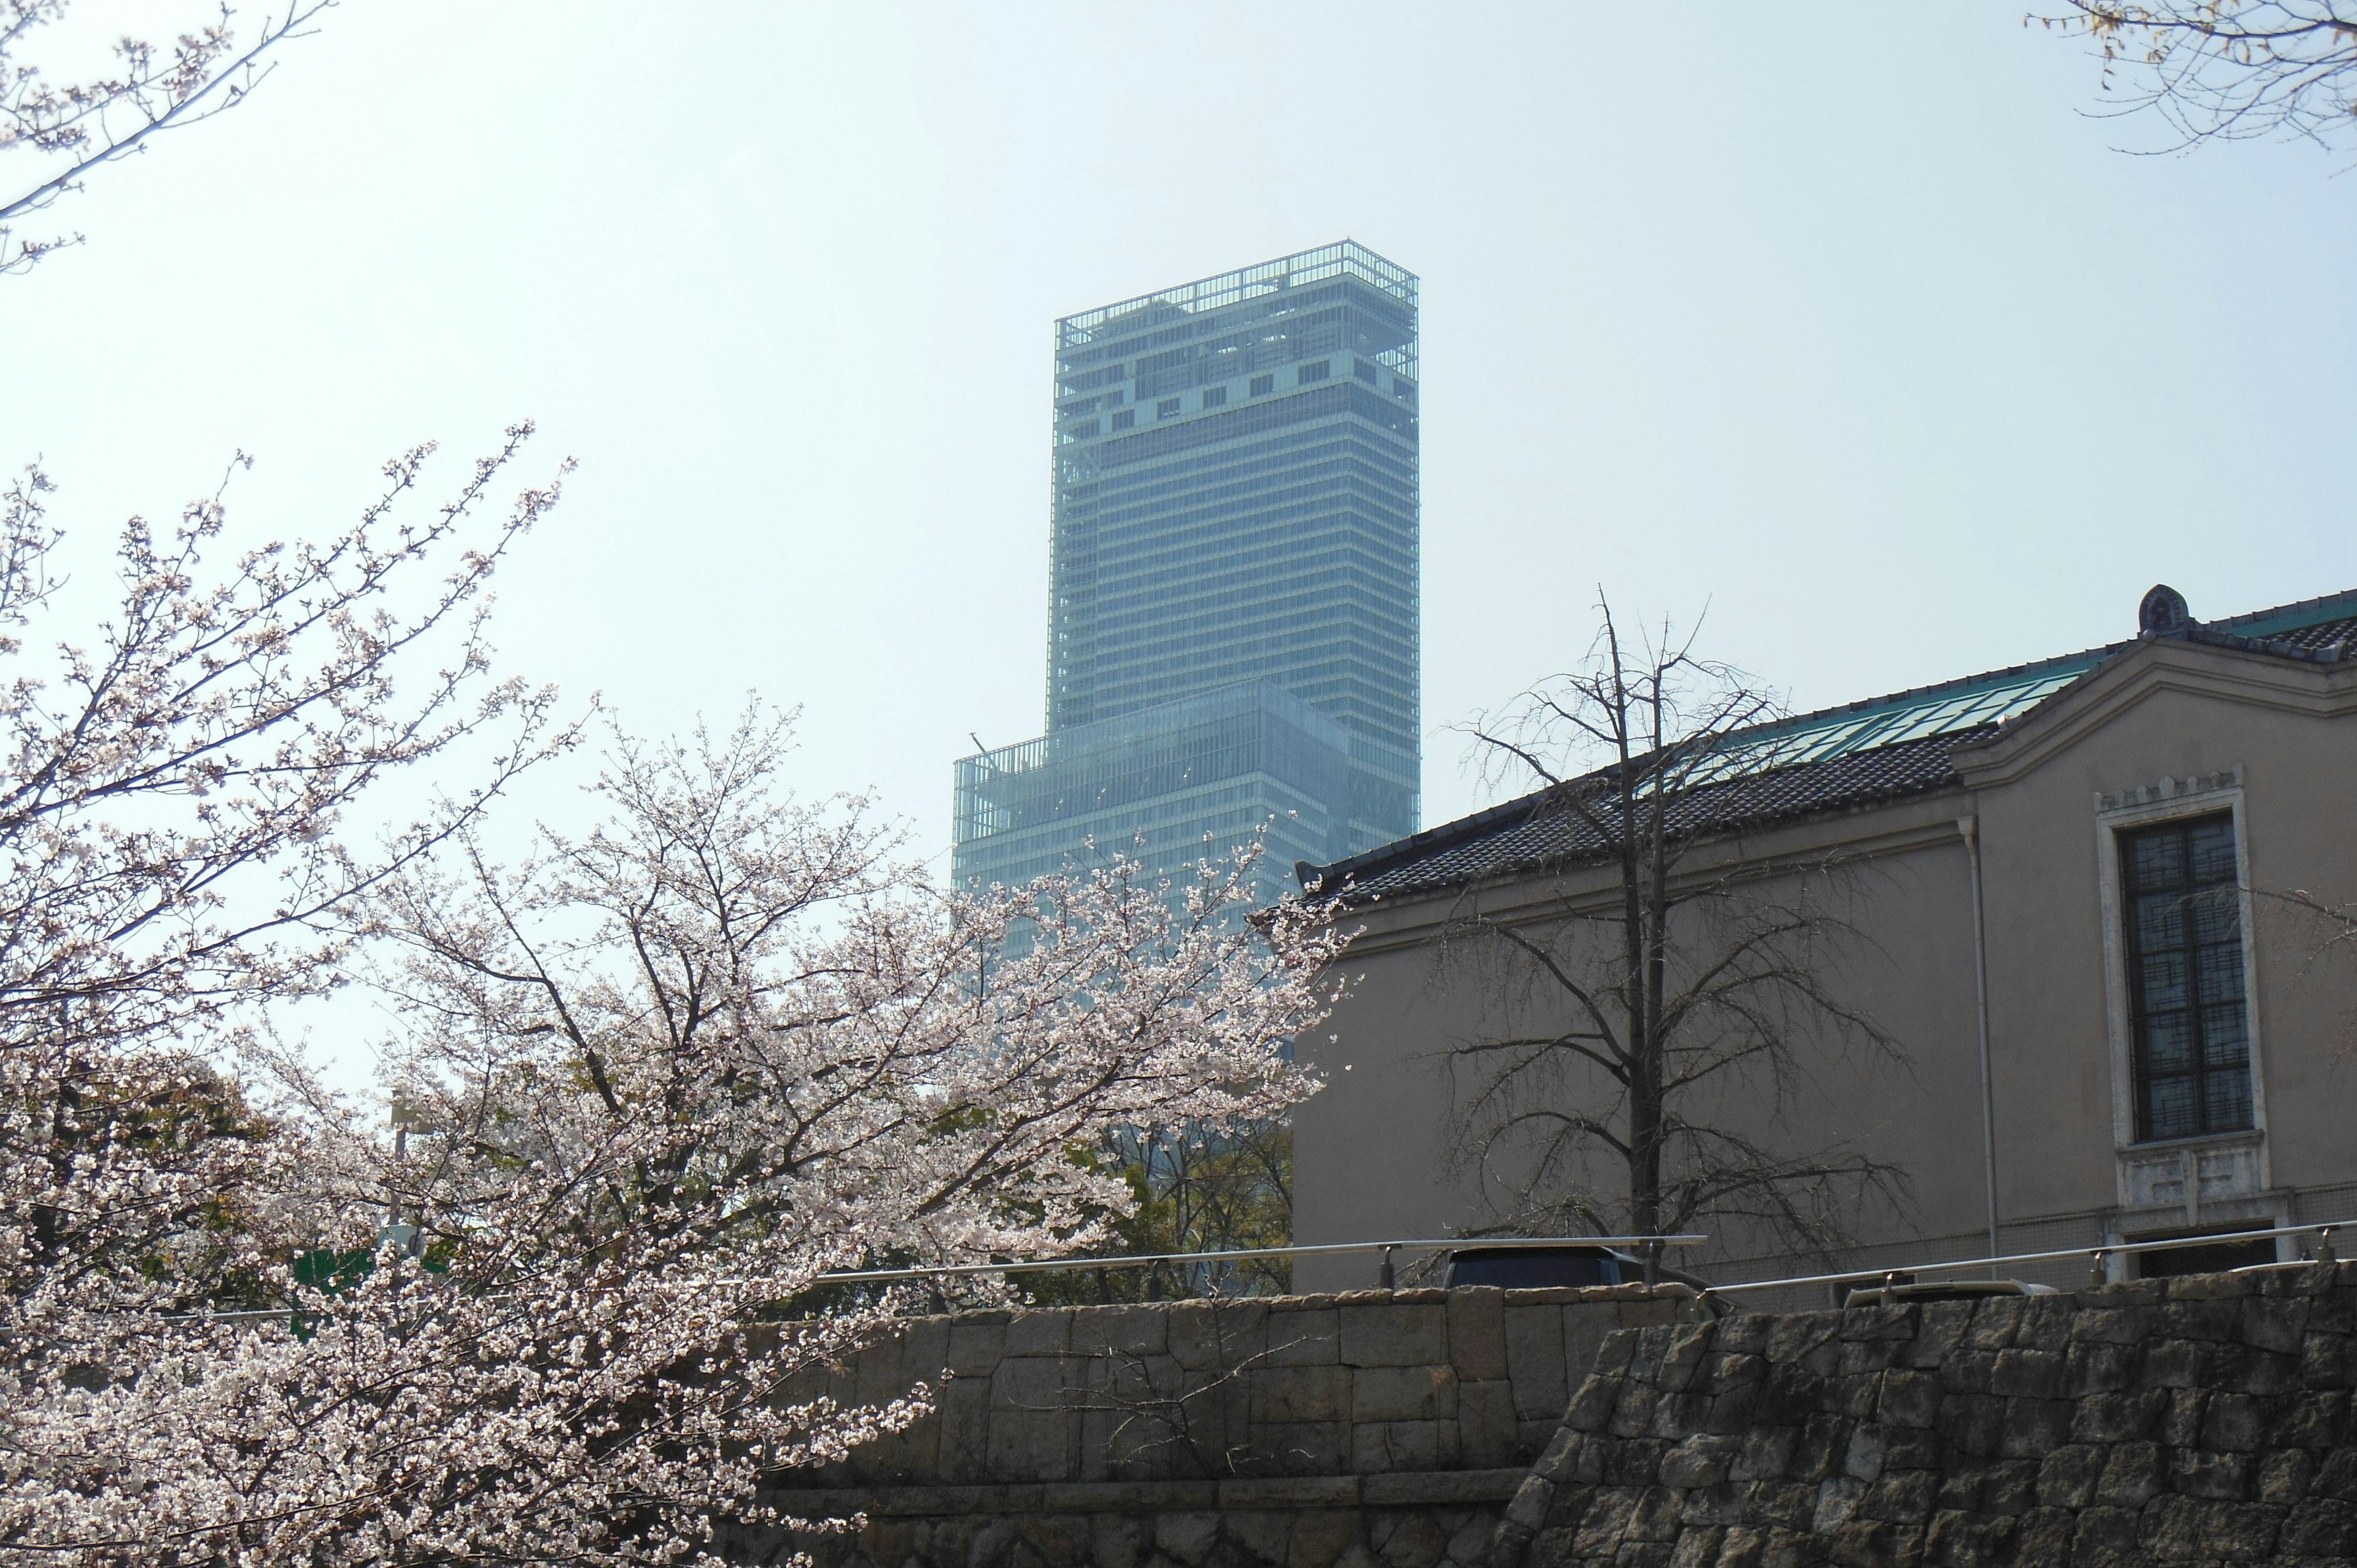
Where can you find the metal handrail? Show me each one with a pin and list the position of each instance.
(1140, 1260)
(2096, 1255)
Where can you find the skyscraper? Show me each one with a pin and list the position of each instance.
(1233, 622)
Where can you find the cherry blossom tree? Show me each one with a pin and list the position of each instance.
(652, 1083)
(71, 128)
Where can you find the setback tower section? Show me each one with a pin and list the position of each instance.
(1233, 618)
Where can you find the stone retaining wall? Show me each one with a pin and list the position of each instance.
(1375, 1426)
(2198, 1421)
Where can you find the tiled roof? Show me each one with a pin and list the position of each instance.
(1836, 759)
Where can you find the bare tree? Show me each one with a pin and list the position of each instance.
(1661, 1003)
(2229, 69)
(74, 127)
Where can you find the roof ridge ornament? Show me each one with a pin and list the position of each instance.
(2162, 612)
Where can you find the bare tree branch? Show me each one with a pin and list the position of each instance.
(2227, 70)
(1698, 994)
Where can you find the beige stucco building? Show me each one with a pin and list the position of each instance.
(2171, 1046)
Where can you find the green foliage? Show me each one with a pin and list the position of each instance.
(1197, 1190)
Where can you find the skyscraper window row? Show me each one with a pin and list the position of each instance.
(1344, 564)
(1334, 597)
(1343, 482)
(1345, 399)
(1308, 565)
(1316, 527)
(1083, 479)
(1335, 508)
(1116, 500)
(1173, 498)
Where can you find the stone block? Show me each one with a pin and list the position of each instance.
(1189, 1333)
(2211, 1287)
(1584, 1329)
(1699, 1461)
(2236, 1421)
(1185, 1538)
(1972, 1425)
(1630, 1463)
(1908, 1399)
(1299, 1393)
(1969, 1540)
(2284, 1475)
(1303, 1336)
(2045, 1324)
(1682, 1355)
(1239, 1335)
(1386, 1445)
(1818, 1454)
(2319, 1528)
(1258, 1536)
(1535, 1358)
(2035, 1428)
(2194, 1474)
(1632, 1413)
(2067, 1478)
(1968, 1371)
(1477, 1332)
(2181, 1424)
(1910, 1448)
(1745, 1334)
(2112, 1324)
(1302, 1447)
(2199, 1317)
(1739, 1409)
(1412, 1540)
(2105, 1536)
(1034, 1430)
(1420, 1392)
(1800, 1337)
(2119, 1418)
(2327, 1361)
(975, 1347)
(2275, 1323)
(1902, 1499)
(1862, 1458)
(1995, 1319)
(2313, 1420)
(1387, 1334)
(1320, 1539)
(1057, 1537)
(2028, 1374)
(2245, 1369)
(1766, 1454)
(1938, 1331)
(1120, 1330)
(1859, 1356)
(1485, 1422)
(1043, 1333)
(964, 1419)
(925, 1349)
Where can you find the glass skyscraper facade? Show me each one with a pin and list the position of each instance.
(1232, 625)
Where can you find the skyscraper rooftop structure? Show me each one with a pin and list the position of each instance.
(1233, 623)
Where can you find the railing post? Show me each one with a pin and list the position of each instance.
(1384, 1278)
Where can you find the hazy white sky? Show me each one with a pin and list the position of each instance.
(1844, 321)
